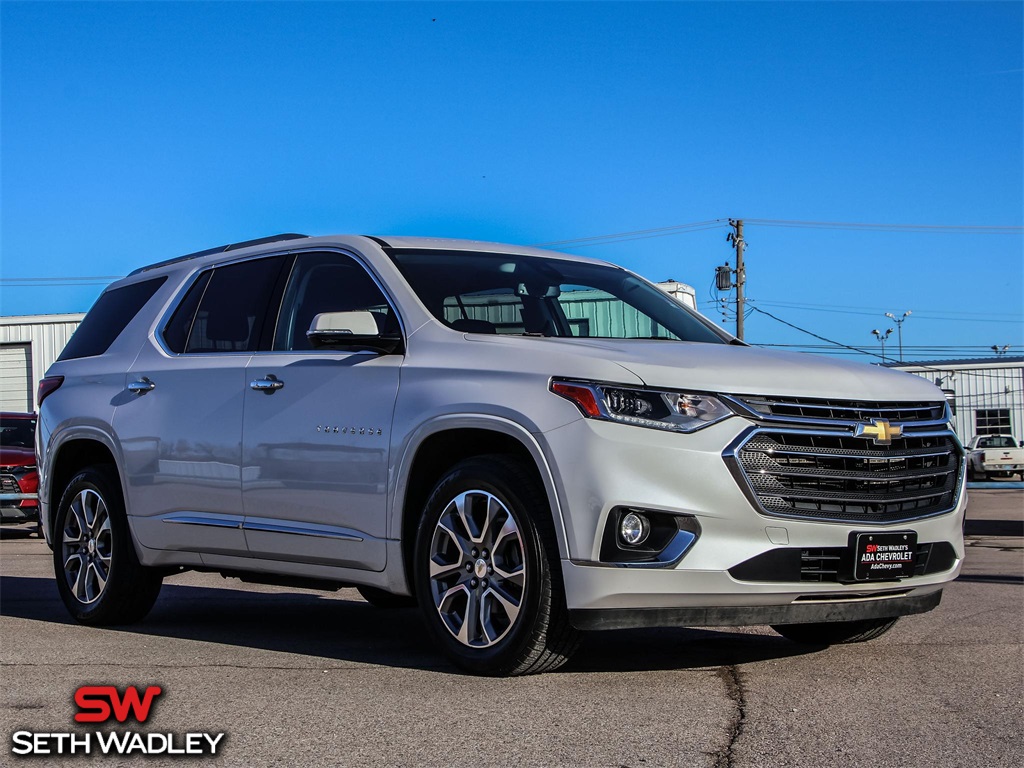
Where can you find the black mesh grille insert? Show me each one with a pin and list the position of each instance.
(841, 477)
(831, 564)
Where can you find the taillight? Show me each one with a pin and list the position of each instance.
(47, 387)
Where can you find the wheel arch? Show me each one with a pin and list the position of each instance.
(436, 447)
(69, 453)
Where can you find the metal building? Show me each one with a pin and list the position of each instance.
(28, 346)
(987, 394)
(590, 312)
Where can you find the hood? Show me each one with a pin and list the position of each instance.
(13, 456)
(737, 369)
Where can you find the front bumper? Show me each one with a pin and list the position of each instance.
(15, 511)
(853, 609)
(614, 465)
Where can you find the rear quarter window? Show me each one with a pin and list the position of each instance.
(111, 313)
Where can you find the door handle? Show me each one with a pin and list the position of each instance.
(141, 387)
(268, 385)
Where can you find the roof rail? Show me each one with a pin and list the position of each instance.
(221, 249)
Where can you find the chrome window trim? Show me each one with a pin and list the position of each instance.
(735, 466)
(164, 317)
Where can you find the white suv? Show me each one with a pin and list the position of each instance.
(524, 443)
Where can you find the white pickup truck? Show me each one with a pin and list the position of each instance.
(994, 456)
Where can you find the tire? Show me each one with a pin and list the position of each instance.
(378, 598)
(836, 633)
(91, 538)
(506, 615)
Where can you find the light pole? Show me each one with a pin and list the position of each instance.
(882, 337)
(899, 327)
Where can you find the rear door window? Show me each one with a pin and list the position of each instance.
(232, 309)
(180, 326)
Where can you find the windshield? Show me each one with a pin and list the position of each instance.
(530, 295)
(17, 432)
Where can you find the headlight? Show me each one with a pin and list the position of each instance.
(655, 408)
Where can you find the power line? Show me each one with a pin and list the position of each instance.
(637, 234)
(817, 336)
(918, 347)
(975, 229)
(91, 279)
(981, 374)
(882, 309)
(697, 226)
(921, 316)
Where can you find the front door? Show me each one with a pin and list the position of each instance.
(317, 427)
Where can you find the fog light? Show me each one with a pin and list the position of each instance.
(634, 529)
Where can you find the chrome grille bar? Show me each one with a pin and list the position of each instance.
(835, 476)
(840, 413)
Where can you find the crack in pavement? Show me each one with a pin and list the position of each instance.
(736, 691)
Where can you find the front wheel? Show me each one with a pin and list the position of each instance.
(99, 576)
(487, 570)
(836, 632)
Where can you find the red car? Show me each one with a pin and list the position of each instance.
(18, 475)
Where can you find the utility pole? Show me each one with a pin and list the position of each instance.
(736, 238)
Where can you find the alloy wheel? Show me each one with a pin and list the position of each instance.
(86, 545)
(477, 569)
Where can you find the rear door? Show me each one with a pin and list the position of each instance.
(181, 430)
(316, 438)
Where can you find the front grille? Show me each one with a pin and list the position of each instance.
(840, 477)
(8, 484)
(832, 565)
(841, 411)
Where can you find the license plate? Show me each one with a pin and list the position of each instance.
(884, 556)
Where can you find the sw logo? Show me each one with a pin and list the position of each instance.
(106, 704)
(97, 703)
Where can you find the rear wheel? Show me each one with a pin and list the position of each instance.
(487, 570)
(99, 576)
(837, 632)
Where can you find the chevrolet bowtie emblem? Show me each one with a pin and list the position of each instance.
(880, 430)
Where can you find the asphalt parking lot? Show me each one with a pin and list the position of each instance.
(295, 677)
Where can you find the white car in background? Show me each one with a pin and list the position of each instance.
(994, 456)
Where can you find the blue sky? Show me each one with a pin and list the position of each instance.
(136, 132)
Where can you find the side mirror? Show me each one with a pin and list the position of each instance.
(351, 330)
